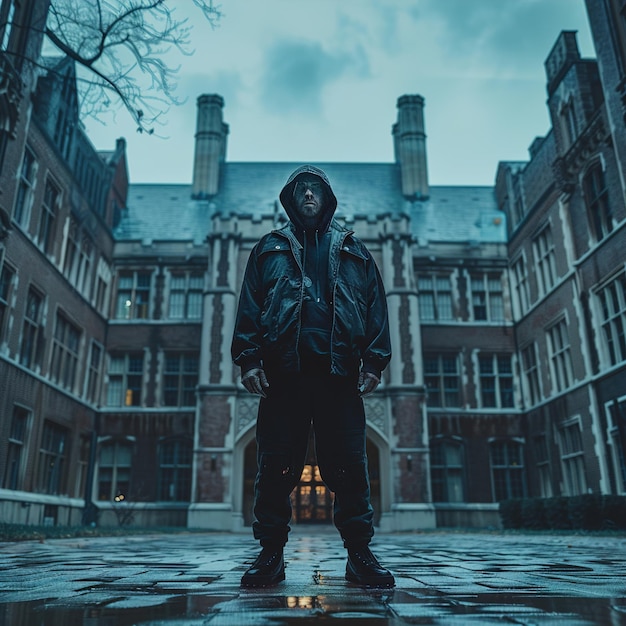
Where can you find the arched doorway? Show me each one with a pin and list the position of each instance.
(311, 500)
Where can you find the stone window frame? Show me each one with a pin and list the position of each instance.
(560, 354)
(453, 478)
(500, 376)
(175, 471)
(545, 259)
(572, 454)
(508, 478)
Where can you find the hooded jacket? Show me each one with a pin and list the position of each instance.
(274, 314)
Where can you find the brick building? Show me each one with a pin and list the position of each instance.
(507, 308)
(58, 200)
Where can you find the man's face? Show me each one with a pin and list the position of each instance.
(308, 196)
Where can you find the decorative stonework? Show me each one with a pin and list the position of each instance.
(246, 414)
(376, 414)
(566, 168)
(217, 323)
(406, 343)
(11, 93)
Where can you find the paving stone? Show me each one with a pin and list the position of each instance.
(442, 579)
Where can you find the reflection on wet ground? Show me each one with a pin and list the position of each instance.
(442, 578)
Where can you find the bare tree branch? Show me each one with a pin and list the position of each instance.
(120, 47)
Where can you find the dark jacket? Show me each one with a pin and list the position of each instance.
(268, 327)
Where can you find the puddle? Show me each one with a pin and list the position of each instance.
(396, 608)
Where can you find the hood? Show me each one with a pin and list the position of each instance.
(286, 197)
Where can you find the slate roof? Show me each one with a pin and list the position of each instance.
(459, 214)
(452, 214)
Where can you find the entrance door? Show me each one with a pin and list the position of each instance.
(311, 499)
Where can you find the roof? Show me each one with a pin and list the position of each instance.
(459, 214)
(167, 212)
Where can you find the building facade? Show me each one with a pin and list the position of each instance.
(507, 313)
(58, 200)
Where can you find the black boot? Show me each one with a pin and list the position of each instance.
(363, 569)
(267, 570)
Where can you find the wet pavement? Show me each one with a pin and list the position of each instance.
(443, 578)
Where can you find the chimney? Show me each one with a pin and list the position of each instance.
(410, 146)
(210, 150)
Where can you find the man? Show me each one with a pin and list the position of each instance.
(311, 338)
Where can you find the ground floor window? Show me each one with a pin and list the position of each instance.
(52, 457)
(114, 470)
(507, 469)
(15, 451)
(447, 470)
(175, 470)
(572, 458)
(540, 447)
(617, 413)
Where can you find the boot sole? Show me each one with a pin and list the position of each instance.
(262, 581)
(381, 582)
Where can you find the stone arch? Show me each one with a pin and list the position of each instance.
(245, 470)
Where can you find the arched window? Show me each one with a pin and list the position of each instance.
(175, 470)
(447, 470)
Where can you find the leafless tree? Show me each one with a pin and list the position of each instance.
(120, 48)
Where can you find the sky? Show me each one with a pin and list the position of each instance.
(318, 81)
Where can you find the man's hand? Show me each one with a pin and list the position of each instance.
(255, 381)
(367, 383)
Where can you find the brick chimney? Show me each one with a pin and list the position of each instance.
(210, 150)
(410, 146)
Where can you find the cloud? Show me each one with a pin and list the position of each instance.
(297, 73)
(502, 37)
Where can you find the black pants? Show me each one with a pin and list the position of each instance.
(332, 405)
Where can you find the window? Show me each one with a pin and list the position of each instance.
(46, 235)
(7, 276)
(496, 381)
(65, 345)
(114, 470)
(613, 309)
(186, 296)
(560, 355)
(7, 15)
(175, 470)
(441, 375)
(78, 256)
(435, 297)
(31, 345)
(16, 451)
(93, 373)
(24, 196)
(531, 373)
(617, 429)
(487, 300)
(507, 469)
(618, 12)
(70, 261)
(569, 124)
(180, 379)
(83, 281)
(543, 247)
(540, 448)
(52, 456)
(597, 202)
(447, 470)
(82, 467)
(572, 458)
(133, 295)
(125, 380)
(520, 281)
